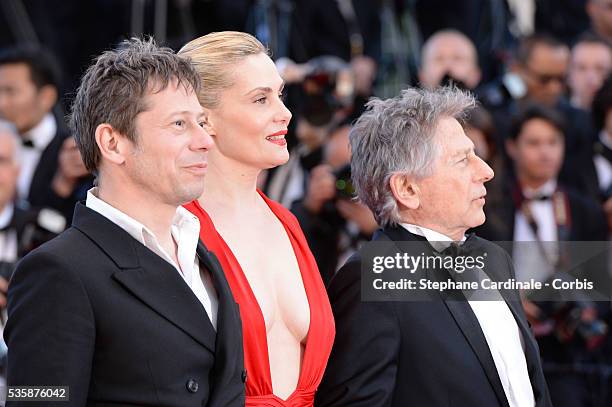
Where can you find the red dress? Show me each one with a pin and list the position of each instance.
(320, 333)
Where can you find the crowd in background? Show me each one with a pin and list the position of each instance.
(540, 70)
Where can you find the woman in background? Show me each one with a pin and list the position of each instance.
(287, 321)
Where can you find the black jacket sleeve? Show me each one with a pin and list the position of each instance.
(50, 332)
(362, 368)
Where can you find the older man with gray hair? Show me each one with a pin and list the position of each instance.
(415, 168)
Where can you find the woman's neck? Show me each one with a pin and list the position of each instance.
(229, 185)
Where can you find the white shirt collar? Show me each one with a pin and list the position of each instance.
(547, 189)
(437, 240)
(183, 221)
(6, 215)
(42, 134)
(605, 139)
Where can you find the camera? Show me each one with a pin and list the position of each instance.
(344, 184)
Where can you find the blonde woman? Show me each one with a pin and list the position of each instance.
(287, 321)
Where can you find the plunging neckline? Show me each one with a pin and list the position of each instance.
(261, 322)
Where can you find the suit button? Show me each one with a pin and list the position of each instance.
(192, 385)
(244, 376)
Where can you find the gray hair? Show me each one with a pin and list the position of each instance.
(396, 136)
(7, 128)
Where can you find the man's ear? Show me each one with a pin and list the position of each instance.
(47, 95)
(405, 190)
(113, 146)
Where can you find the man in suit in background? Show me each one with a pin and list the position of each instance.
(415, 168)
(52, 172)
(542, 210)
(21, 229)
(127, 307)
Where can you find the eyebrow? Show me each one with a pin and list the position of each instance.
(265, 89)
(198, 114)
(463, 151)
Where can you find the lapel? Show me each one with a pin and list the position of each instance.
(229, 325)
(463, 315)
(147, 276)
(229, 356)
(470, 327)
(532, 354)
(47, 164)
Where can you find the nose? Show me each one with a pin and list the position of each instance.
(284, 115)
(201, 139)
(555, 88)
(483, 172)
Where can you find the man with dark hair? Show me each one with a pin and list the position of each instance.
(127, 306)
(597, 174)
(536, 148)
(600, 13)
(52, 172)
(543, 211)
(541, 62)
(538, 75)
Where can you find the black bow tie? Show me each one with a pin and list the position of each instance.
(453, 250)
(27, 143)
(465, 249)
(540, 198)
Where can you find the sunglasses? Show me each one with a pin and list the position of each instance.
(545, 79)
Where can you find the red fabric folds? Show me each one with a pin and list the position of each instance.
(321, 331)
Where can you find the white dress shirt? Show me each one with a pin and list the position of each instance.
(603, 167)
(529, 260)
(8, 237)
(185, 231)
(500, 331)
(41, 135)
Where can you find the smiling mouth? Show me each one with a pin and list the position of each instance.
(278, 138)
(197, 167)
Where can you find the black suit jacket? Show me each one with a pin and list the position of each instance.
(430, 353)
(588, 222)
(97, 311)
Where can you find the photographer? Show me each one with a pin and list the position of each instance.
(324, 88)
(334, 224)
(449, 55)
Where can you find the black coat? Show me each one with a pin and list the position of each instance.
(588, 222)
(428, 353)
(97, 311)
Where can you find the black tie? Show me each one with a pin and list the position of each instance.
(464, 249)
(27, 143)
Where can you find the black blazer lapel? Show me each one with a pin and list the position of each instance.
(147, 276)
(532, 355)
(229, 355)
(469, 325)
(159, 285)
(229, 326)
(46, 167)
